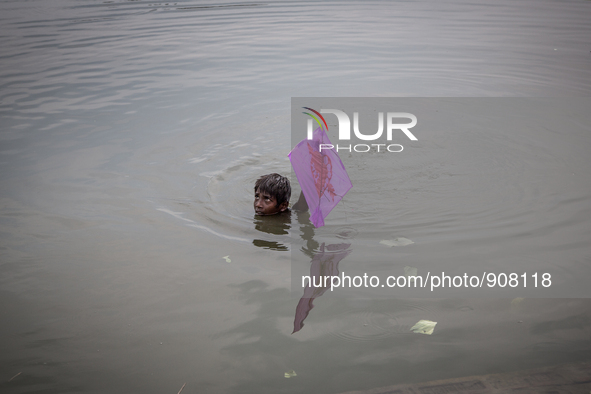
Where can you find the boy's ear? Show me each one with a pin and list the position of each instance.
(283, 206)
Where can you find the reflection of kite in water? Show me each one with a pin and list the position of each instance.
(321, 174)
(324, 263)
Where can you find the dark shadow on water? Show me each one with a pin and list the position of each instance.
(275, 225)
(261, 243)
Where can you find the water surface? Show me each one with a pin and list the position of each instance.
(132, 133)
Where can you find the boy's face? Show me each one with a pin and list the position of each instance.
(266, 204)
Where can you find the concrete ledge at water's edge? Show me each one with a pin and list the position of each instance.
(563, 379)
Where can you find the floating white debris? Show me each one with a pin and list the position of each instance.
(396, 242)
(290, 374)
(424, 327)
(410, 271)
(227, 259)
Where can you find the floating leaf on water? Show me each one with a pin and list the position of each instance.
(290, 374)
(410, 271)
(396, 242)
(424, 327)
(227, 259)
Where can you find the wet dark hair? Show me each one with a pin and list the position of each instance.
(276, 185)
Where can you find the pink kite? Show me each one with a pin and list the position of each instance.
(321, 174)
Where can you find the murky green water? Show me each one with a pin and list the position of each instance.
(131, 135)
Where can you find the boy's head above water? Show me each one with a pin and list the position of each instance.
(271, 194)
